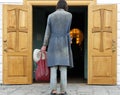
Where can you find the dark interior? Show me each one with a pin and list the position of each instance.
(79, 21)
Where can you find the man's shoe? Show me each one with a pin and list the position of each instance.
(53, 93)
(64, 93)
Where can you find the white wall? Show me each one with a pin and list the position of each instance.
(118, 46)
(98, 2)
(0, 43)
(11, 1)
(108, 1)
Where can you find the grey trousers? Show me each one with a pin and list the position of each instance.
(63, 78)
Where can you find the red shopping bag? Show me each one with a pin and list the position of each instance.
(42, 72)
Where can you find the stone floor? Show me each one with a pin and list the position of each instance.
(73, 89)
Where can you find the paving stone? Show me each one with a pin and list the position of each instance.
(73, 89)
(100, 92)
(114, 92)
(111, 87)
(3, 93)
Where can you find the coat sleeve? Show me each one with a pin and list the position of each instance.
(70, 39)
(47, 32)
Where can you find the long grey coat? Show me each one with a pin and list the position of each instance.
(57, 38)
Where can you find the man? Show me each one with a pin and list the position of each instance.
(57, 38)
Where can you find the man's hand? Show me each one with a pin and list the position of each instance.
(43, 48)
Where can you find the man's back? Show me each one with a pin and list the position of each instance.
(60, 21)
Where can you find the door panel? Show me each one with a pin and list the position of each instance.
(12, 19)
(23, 38)
(11, 40)
(17, 45)
(15, 62)
(102, 44)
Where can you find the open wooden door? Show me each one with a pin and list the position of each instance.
(17, 44)
(102, 28)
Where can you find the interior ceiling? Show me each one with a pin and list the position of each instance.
(74, 9)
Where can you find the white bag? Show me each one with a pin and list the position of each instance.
(37, 55)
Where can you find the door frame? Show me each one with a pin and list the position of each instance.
(54, 2)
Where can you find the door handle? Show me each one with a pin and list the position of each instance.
(4, 41)
(113, 45)
(5, 49)
(5, 45)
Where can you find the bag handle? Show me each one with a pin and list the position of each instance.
(41, 54)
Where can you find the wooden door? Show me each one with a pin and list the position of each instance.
(102, 44)
(17, 44)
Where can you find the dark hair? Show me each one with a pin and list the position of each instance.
(62, 4)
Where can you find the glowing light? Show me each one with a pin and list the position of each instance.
(77, 34)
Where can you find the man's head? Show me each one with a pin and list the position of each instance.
(62, 4)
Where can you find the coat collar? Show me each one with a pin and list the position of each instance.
(60, 10)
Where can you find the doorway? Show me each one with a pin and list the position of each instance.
(101, 36)
(79, 21)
